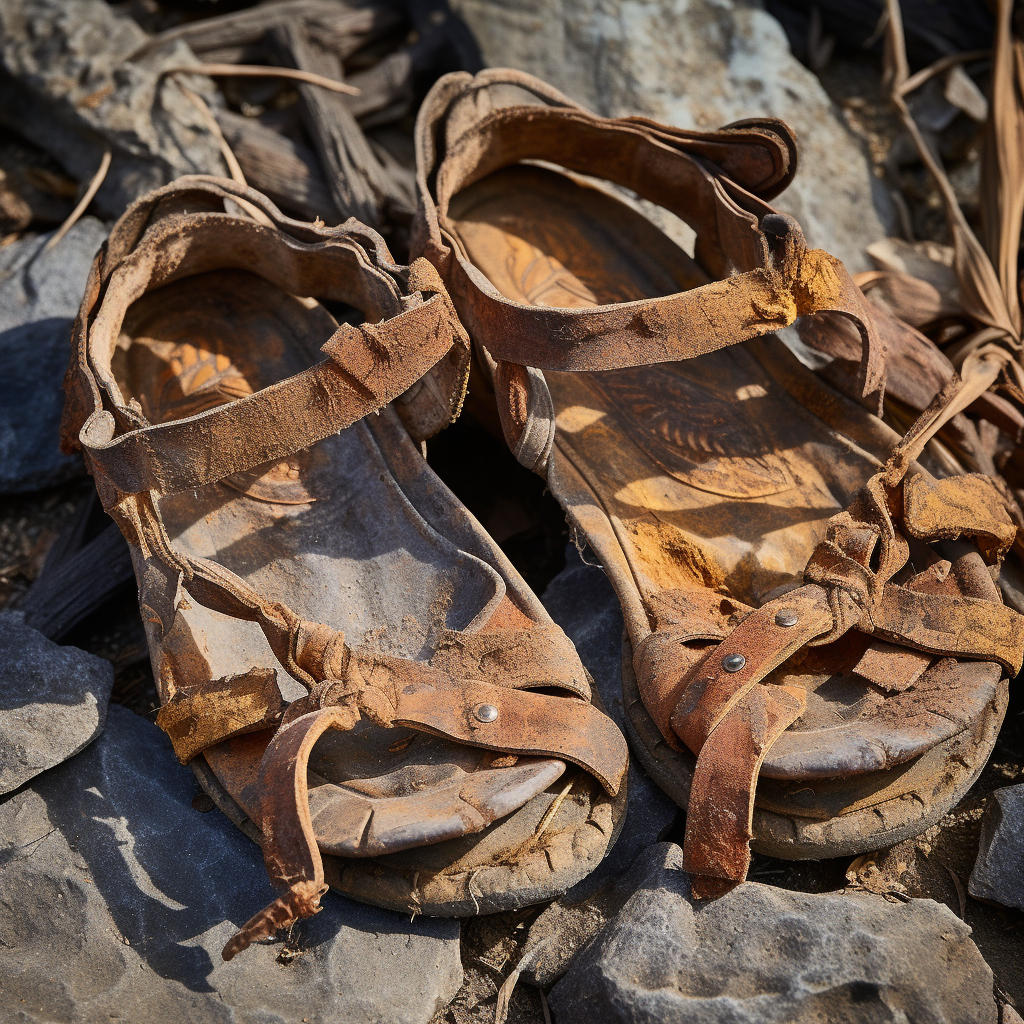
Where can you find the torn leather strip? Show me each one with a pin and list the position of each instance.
(290, 852)
(969, 505)
(201, 717)
(719, 816)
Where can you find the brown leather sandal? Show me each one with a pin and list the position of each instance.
(314, 596)
(849, 665)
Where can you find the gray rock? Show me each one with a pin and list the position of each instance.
(118, 897)
(566, 926)
(581, 600)
(40, 293)
(697, 64)
(998, 873)
(75, 79)
(762, 955)
(53, 701)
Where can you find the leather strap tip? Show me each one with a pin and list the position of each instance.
(613, 783)
(300, 902)
(708, 887)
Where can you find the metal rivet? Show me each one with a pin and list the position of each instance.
(786, 618)
(733, 662)
(486, 713)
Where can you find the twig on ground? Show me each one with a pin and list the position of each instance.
(265, 71)
(83, 203)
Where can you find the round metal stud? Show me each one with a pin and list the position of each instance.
(786, 618)
(486, 713)
(733, 662)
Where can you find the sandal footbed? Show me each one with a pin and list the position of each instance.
(464, 879)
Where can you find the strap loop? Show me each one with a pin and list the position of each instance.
(368, 367)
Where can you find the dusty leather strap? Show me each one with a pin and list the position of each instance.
(730, 720)
(758, 645)
(961, 506)
(936, 623)
(863, 550)
(527, 658)
(221, 708)
(290, 852)
(646, 331)
(431, 697)
(367, 367)
(153, 242)
(525, 723)
(203, 191)
(959, 626)
(492, 715)
(771, 294)
(760, 155)
(156, 243)
(662, 662)
(716, 848)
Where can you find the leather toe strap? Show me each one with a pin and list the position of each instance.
(290, 852)
(478, 714)
(730, 719)
(716, 849)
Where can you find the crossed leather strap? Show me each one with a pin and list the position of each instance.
(729, 717)
(135, 463)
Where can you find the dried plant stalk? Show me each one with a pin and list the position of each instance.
(265, 71)
(987, 274)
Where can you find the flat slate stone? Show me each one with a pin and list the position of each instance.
(762, 955)
(581, 600)
(998, 873)
(118, 896)
(53, 701)
(40, 293)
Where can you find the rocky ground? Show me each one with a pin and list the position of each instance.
(119, 880)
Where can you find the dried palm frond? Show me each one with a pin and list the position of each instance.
(986, 269)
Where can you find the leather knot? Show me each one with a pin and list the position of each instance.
(320, 650)
(866, 545)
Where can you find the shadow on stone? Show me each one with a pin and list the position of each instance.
(127, 895)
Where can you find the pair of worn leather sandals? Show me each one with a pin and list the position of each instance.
(816, 652)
